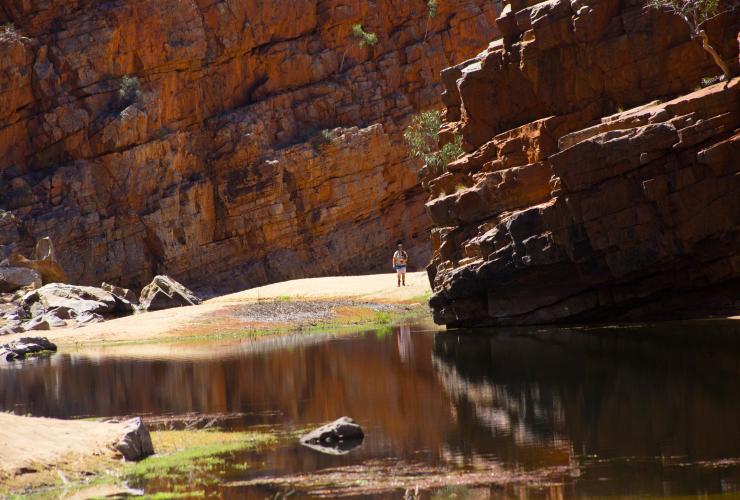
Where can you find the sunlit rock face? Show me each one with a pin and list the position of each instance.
(211, 166)
(600, 181)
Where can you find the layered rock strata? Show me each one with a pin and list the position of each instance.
(225, 144)
(567, 208)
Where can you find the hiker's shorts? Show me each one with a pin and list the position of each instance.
(401, 269)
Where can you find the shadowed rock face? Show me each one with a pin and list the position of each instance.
(211, 166)
(566, 207)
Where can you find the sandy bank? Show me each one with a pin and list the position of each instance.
(221, 313)
(43, 443)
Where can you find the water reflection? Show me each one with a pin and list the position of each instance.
(626, 411)
(641, 410)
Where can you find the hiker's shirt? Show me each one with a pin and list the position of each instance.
(400, 258)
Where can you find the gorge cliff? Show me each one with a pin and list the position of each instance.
(601, 181)
(227, 144)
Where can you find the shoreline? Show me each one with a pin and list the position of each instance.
(355, 299)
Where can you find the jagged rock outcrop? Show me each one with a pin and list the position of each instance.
(163, 293)
(566, 207)
(168, 136)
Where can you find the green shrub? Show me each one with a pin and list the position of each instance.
(422, 136)
(365, 38)
(320, 139)
(432, 8)
(129, 90)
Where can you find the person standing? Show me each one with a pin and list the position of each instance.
(400, 259)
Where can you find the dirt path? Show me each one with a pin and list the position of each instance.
(42, 443)
(218, 313)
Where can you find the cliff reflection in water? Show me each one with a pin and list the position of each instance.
(616, 410)
(651, 396)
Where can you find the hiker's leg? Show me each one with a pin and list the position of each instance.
(403, 278)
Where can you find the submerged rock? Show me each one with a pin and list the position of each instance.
(335, 438)
(22, 347)
(163, 293)
(136, 443)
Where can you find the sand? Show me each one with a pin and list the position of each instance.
(37, 443)
(215, 313)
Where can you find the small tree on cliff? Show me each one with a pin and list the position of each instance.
(422, 136)
(432, 11)
(363, 38)
(695, 13)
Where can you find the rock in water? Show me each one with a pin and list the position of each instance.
(163, 293)
(136, 443)
(13, 278)
(22, 347)
(335, 438)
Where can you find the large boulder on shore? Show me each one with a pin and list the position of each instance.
(71, 301)
(22, 347)
(136, 442)
(13, 278)
(163, 293)
(335, 438)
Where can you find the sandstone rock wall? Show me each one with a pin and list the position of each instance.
(569, 208)
(211, 167)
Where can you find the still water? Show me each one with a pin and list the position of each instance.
(538, 413)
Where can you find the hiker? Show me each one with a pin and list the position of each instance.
(400, 258)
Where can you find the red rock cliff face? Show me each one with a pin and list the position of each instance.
(568, 208)
(213, 168)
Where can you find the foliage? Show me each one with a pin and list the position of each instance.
(129, 90)
(320, 139)
(422, 136)
(695, 13)
(365, 38)
(182, 454)
(706, 82)
(432, 8)
(8, 32)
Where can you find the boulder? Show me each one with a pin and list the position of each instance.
(22, 347)
(11, 327)
(37, 323)
(163, 293)
(53, 320)
(50, 271)
(13, 278)
(126, 300)
(71, 301)
(136, 443)
(335, 438)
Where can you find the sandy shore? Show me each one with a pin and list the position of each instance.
(217, 313)
(34, 444)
